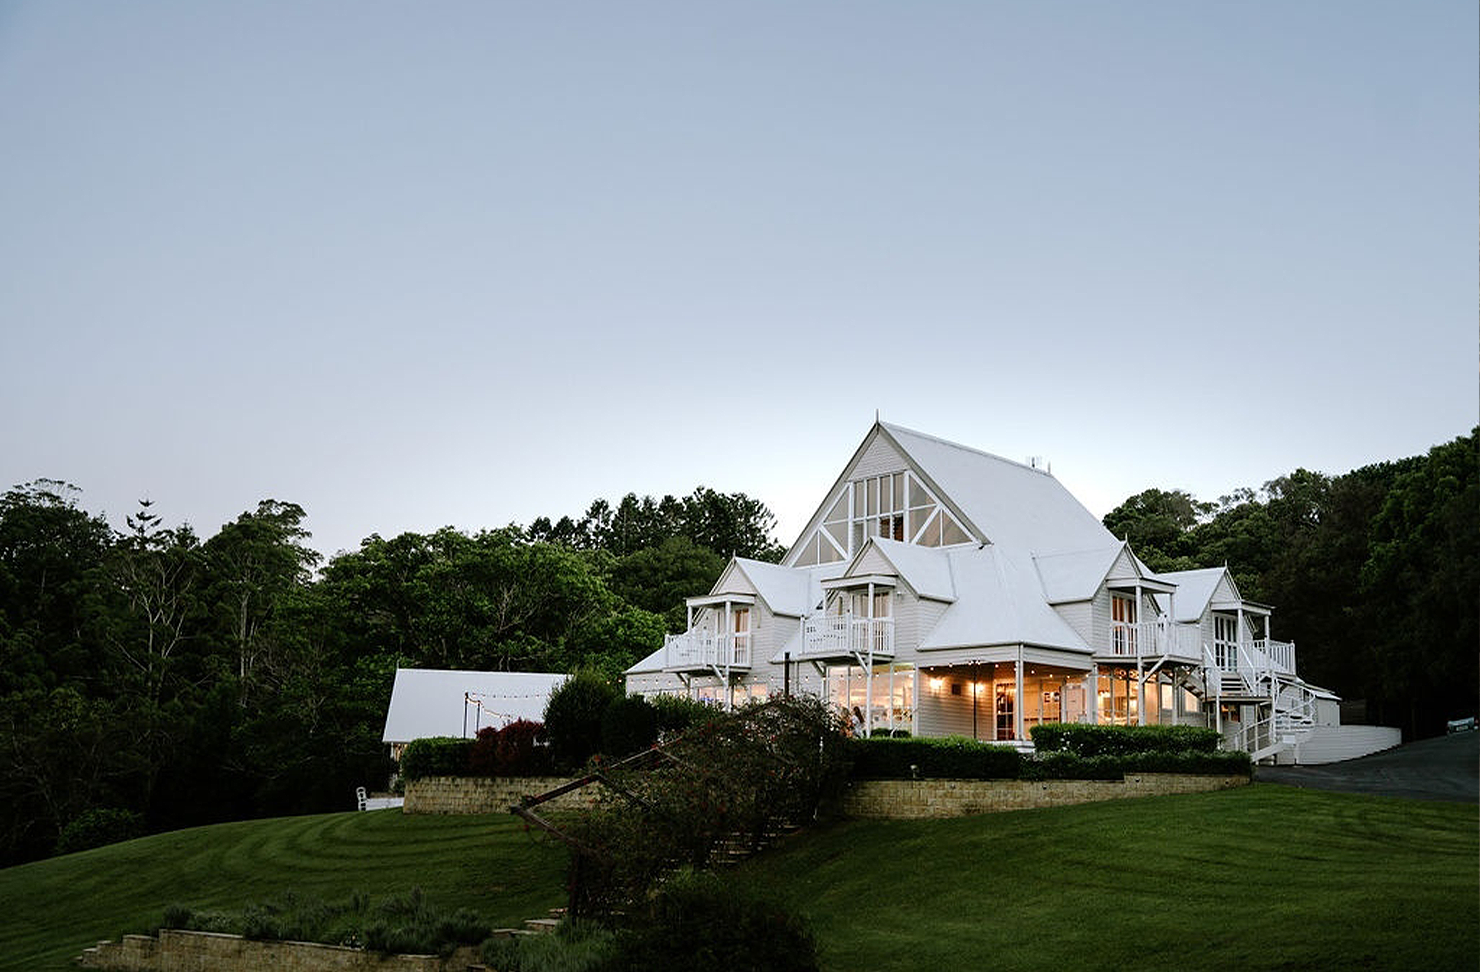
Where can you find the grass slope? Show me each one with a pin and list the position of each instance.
(54, 909)
(1263, 877)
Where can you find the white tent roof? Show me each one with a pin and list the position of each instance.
(431, 702)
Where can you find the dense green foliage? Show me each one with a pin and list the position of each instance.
(629, 723)
(573, 717)
(1101, 740)
(1374, 574)
(952, 758)
(435, 756)
(191, 681)
(99, 826)
(1064, 752)
(1072, 766)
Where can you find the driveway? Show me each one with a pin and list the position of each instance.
(1443, 768)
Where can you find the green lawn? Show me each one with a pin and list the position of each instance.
(51, 910)
(1262, 877)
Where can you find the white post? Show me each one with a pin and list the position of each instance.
(1093, 702)
(915, 698)
(868, 679)
(1017, 702)
(1140, 676)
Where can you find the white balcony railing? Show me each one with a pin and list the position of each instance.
(840, 635)
(1152, 639)
(1280, 654)
(703, 649)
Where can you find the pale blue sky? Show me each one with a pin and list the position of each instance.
(468, 263)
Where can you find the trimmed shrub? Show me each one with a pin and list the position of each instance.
(677, 713)
(1231, 762)
(954, 758)
(435, 756)
(522, 751)
(94, 828)
(573, 718)
(515, 750)
(629, 724)
(1100, 740)
(1072, 766)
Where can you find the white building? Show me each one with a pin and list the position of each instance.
(947, 591)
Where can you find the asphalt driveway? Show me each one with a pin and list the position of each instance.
(1444, 768)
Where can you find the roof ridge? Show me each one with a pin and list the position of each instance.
(964, 448)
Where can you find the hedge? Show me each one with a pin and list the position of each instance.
(1103, 753)
(435, 756)
(955, 758)
(1097, 740)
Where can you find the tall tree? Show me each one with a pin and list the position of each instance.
(255, 562)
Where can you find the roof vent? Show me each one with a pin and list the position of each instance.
(1038, 462)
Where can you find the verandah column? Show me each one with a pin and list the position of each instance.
(1018, 700)
(1140, 674)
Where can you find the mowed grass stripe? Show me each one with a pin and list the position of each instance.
(1264, 877)
(53, 909)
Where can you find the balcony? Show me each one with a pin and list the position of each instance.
(1256, 658)
(1153, 640)
(700, 650)
(844, 637)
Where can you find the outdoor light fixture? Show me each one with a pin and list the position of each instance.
(935, 684)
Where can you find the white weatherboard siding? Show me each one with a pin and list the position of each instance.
(879, 458)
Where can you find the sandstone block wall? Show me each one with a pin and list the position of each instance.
(186, 951)
(466, 794)
(914, 799)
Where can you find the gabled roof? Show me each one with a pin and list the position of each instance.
(1011, 504)
(1002, 603)
(1195, 590)
(1075, 576)
(926, 569)
(435, 702)
(790, 591)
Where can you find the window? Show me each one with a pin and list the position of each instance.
(1225, 642)
(896, 506)
(1122, 624)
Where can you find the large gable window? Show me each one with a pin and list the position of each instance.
(897, 506)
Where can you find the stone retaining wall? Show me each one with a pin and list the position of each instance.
(914, 799)
(187, 951)
(471, 794)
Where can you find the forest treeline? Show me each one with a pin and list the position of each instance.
(190, 681)
(1375, 574)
